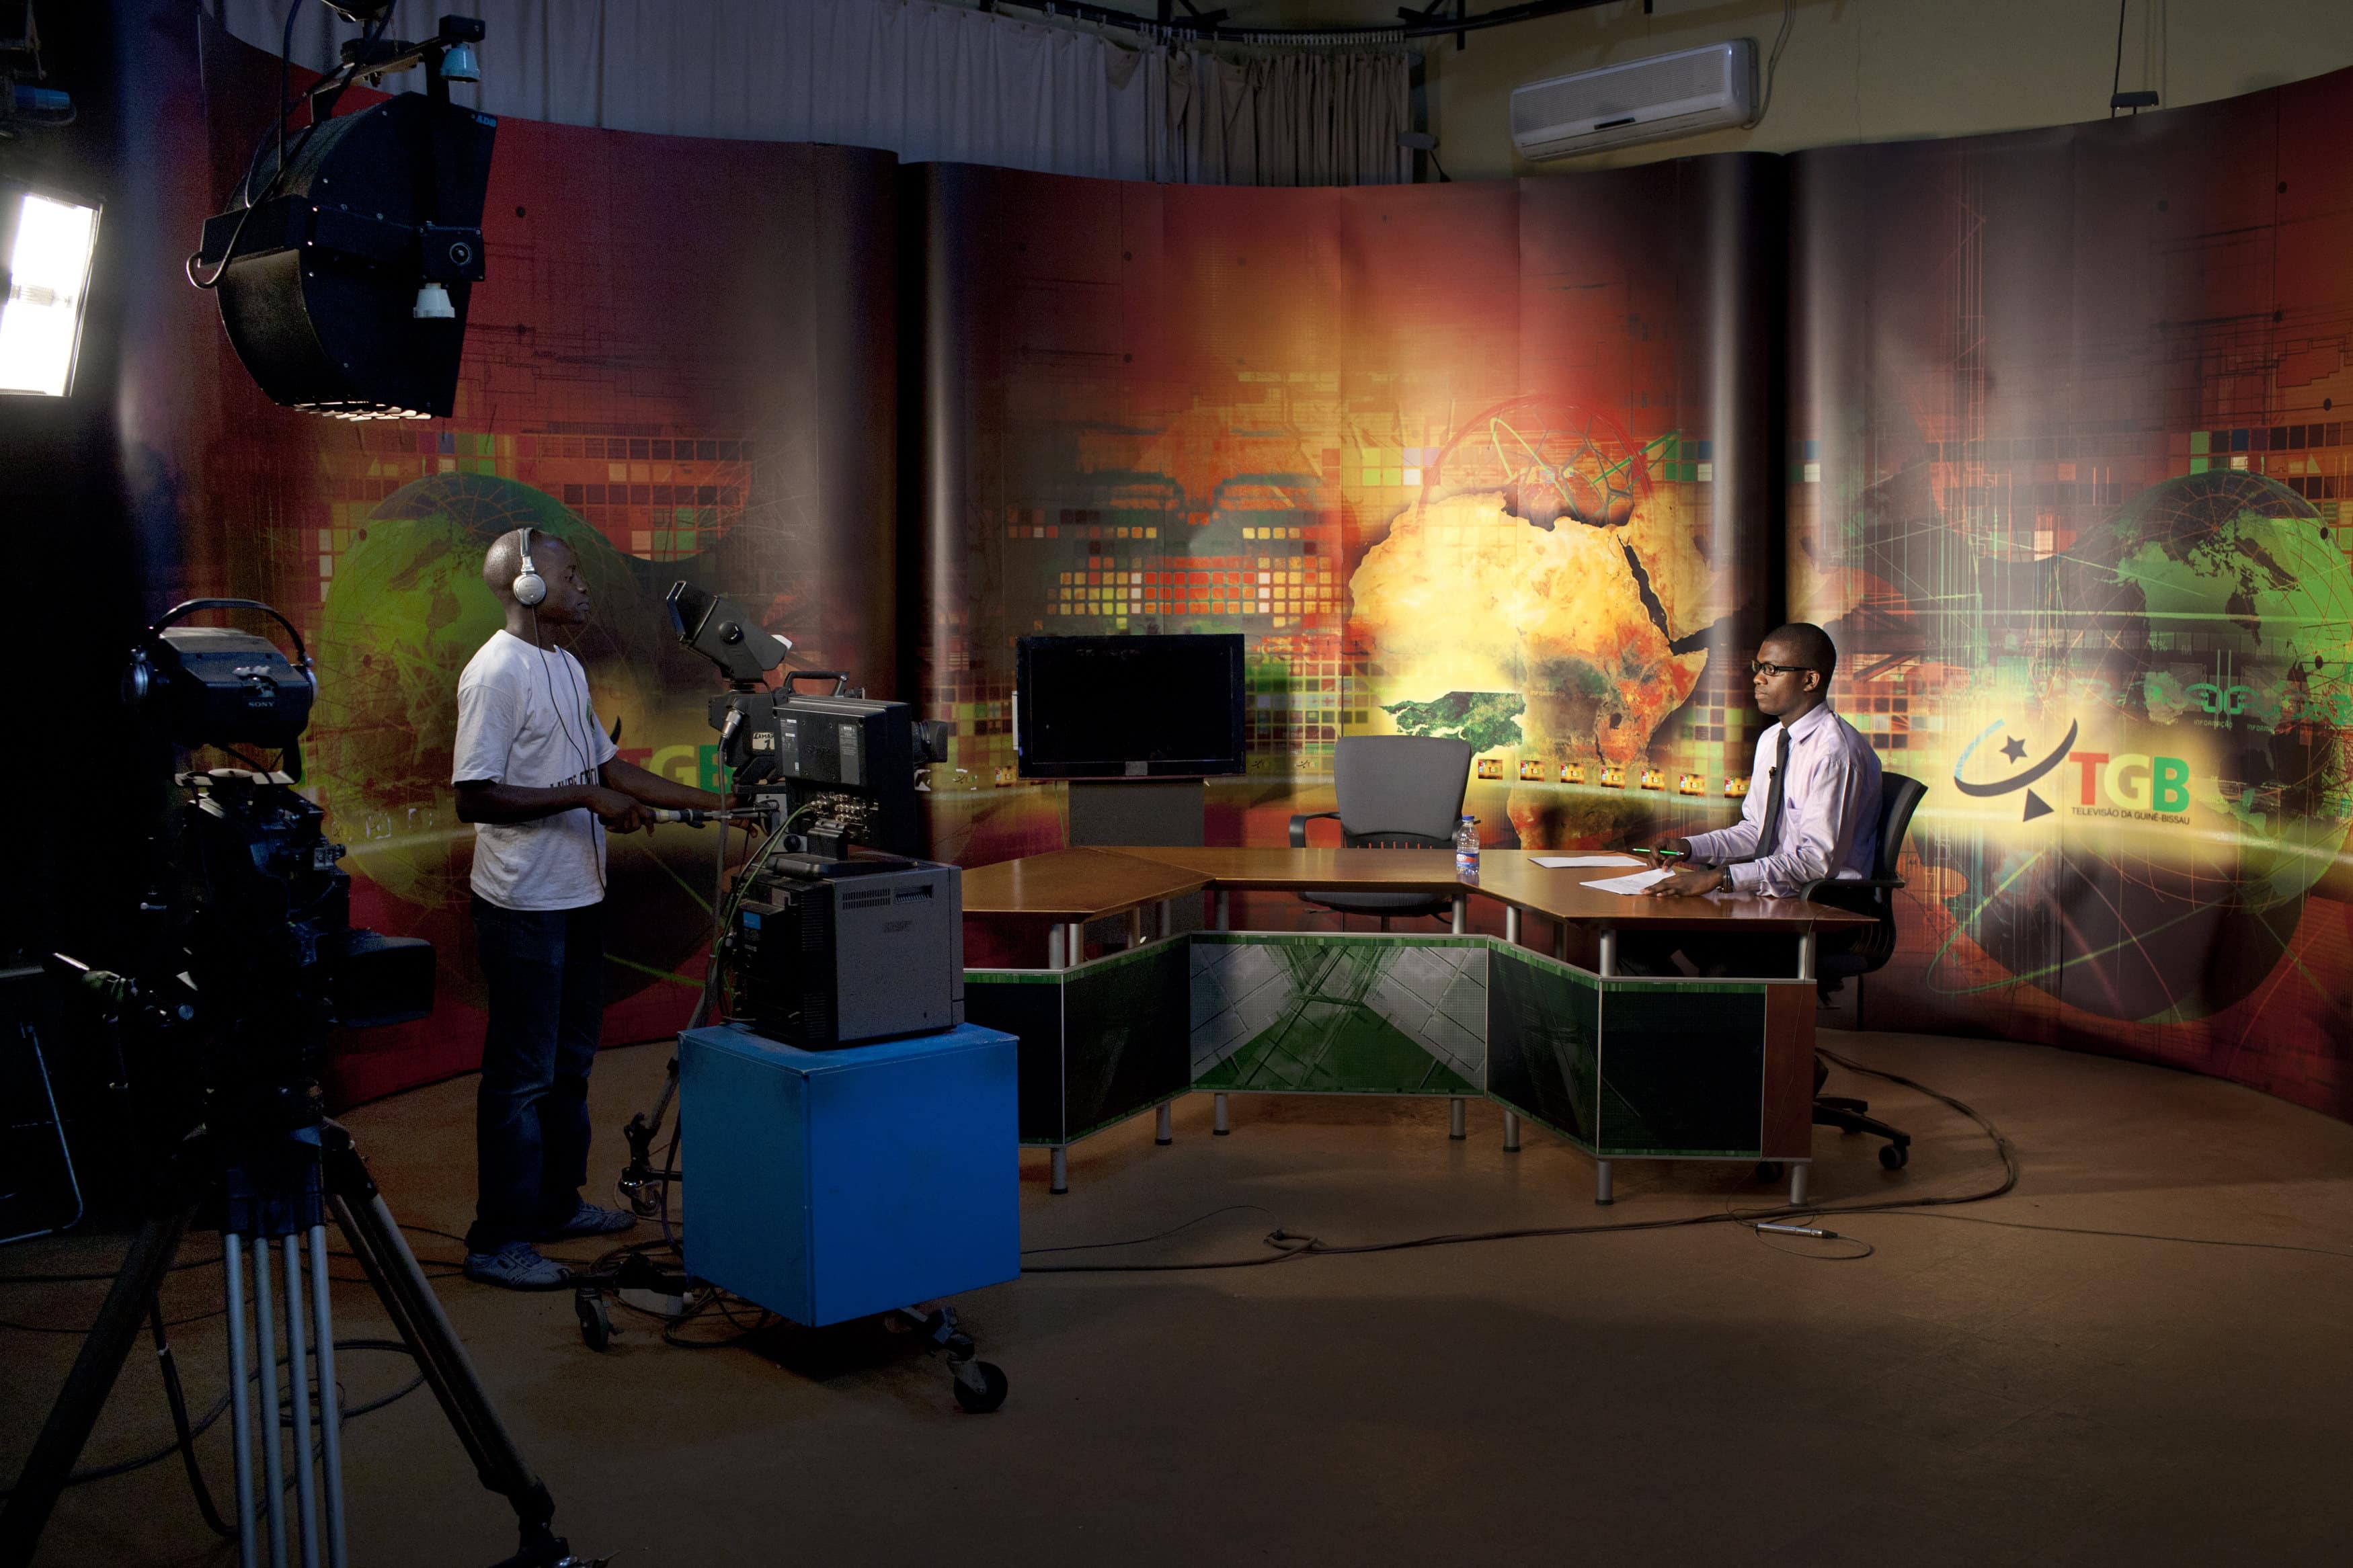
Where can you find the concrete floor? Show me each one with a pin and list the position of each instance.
(1970, 1393)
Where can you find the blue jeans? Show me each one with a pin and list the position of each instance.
(545, 972)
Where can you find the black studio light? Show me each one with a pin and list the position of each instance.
(345, 269)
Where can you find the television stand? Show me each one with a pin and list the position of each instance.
(1165, 812)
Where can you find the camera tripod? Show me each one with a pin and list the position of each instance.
(274, 1195)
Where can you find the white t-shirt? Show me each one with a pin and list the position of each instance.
(524, 718)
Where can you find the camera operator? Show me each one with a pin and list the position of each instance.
(538, 777)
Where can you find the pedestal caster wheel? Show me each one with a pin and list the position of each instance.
(1768, 1170)
(595, 1323)
(980, 1386)
(1896, 1156)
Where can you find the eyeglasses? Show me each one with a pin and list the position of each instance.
(1758, 667)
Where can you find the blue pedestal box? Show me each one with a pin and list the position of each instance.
(834, 1184)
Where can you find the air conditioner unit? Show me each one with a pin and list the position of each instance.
(1680, 94)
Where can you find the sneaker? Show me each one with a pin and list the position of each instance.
(588, 1219)
(517, 1265)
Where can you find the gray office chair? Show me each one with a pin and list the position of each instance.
(1874, 895)
(1395, 792)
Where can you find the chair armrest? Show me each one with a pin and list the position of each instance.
(1825, 891)
(1299, 826)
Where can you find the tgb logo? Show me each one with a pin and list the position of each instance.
(2134, 783)
(2014, 751)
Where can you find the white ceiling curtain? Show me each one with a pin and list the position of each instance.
(924, 81)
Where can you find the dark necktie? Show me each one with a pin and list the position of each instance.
(1768, 834)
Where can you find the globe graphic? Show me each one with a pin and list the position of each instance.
(406, 610)
(2211, 619)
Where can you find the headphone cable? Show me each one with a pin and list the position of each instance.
(547, 674)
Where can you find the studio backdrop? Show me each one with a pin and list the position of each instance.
(2043, 426)
(2068, 483)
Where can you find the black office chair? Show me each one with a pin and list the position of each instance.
(1394, 791)
(1899, 797)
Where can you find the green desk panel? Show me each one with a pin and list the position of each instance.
(1623, 1068)
(1304, 1013)
(1099, 1042)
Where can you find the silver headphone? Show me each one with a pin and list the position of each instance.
(530, 587)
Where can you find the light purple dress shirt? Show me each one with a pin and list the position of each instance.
(1829, 810)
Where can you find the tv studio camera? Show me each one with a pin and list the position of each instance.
(835, 934)
(241, 958)
(832, 933)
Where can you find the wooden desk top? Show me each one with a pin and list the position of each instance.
(1074, 885)
(1508, 876)
(1365, 870)
(1512, 876)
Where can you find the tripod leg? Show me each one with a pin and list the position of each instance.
(273, 1449)
(298, 1396)
(331, 1421)
(86, 1385)
(240, 1407)
(407, 1296)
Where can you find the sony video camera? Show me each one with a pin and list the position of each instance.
(845, 937)
(243, 954)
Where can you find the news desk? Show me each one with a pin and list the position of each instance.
(1623, 1066)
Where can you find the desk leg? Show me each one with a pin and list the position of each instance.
(1805, 946)
(1511, 1132)
(1608, 967)
(1601, 1193)
(1458, 1126)
(1798, 1170)
(1164, 1129)
(1461, 913)
(1055, 957)
(1220, 1126)
(1165, 919)
(1062, 1181)
(1512, 926)
(1135, 926)
(1225, 909)
(1560, 940)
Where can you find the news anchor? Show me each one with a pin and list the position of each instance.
(1812, 810)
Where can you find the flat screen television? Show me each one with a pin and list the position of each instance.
(1134, 707)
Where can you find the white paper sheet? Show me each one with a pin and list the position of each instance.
(1556, 862)
(1635, 883)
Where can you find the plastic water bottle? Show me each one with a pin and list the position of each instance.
(1466, 848)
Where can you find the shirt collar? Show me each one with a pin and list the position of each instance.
(1804, 728)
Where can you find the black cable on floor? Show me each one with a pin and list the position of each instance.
(1287, 1246)
(184, 1440)
(1157, 1236)
(347, 1413)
